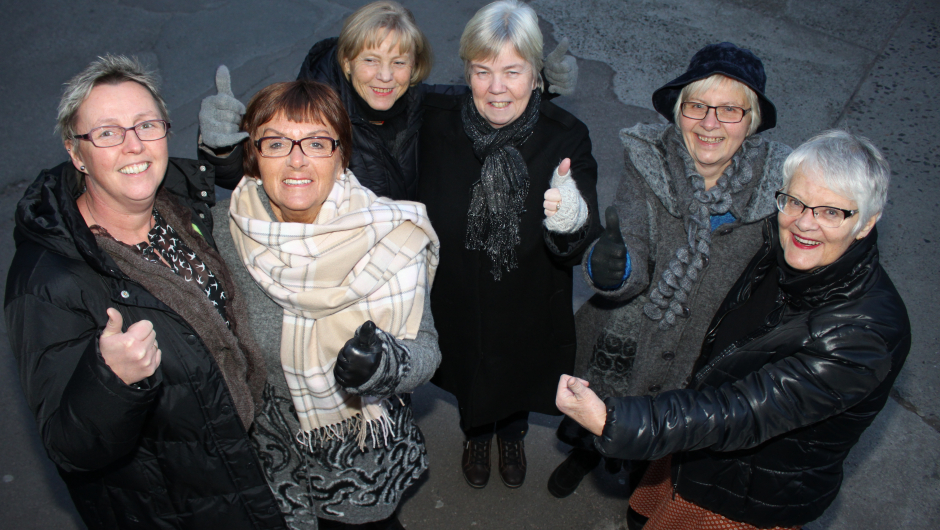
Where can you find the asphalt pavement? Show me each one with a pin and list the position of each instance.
(870, 67)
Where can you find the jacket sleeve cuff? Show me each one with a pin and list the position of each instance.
(392, 368)
(97, 375)
(228, 167)
(627, 429)
(587, 265)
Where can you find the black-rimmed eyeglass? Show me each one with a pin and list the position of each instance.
(828, 216)
(725, 113)
(280, 146)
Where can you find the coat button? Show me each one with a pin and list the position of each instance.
(725, 230)
(226, 409)
(686, 311)
(202, 216)
(704, 260)
(125, 294)
(655, 388)
(668, 356)
(203, 193)
(191, 339)
(202, 168)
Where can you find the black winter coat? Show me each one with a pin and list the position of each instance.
(172, 454)
(766, 424)
(504, 344)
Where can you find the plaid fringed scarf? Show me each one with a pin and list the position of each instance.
(365, 258)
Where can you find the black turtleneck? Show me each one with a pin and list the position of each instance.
(801, 287)
(389, 124)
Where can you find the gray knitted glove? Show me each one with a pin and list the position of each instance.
(572, 211)
(221, 114)
(561, 70)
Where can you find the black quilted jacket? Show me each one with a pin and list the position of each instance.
(762, 431)
(170, 455)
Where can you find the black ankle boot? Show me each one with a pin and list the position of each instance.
(568, 475)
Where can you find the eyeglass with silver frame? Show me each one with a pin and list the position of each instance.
(281, 146)
(113, 135)
(828, 216)
(724, 113)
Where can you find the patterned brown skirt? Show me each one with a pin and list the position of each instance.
(654, 498)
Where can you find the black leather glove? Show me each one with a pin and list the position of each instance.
(609, 260)
(359, 358)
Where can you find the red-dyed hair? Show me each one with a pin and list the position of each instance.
(301, 102)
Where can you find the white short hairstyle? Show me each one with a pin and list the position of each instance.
(494, 25)
(105, 70)
(847, 164)
(704, 85)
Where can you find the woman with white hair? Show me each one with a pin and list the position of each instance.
(798, 360)
(502, 297)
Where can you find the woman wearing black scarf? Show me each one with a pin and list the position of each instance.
(502, 295)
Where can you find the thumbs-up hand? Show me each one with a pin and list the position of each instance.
(220, 115)
(561, 71)
(553, 196)
(580, 403)
(359, 358)
(609, 260)
(133, 355)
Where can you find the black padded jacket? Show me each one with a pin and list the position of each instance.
(172, 454)
(761, 432)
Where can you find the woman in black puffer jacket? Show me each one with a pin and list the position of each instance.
(798, 360)
(130, 337)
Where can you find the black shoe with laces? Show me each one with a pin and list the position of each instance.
(568, 475)
(476, 462)
(512, 464)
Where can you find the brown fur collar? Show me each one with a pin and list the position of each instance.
(234, 351)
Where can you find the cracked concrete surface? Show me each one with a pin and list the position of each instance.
(871, 67)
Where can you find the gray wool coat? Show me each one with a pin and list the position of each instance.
(621, 351)
(339, 481)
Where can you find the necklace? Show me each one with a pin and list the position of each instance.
(92, 214)
(150, 223)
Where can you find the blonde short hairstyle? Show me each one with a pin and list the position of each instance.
(369, 25)
(494, 25)
(704, 85)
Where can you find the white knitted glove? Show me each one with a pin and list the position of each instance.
(221, 114)
(572, 211)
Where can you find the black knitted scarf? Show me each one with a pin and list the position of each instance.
(498, 198)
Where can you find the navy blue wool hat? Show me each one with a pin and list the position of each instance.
(726, 59)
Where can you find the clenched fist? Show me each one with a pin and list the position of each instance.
(359, 358)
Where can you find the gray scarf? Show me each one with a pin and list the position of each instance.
(668, 299)
(498, 198)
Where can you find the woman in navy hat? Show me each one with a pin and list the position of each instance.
(681, 229)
